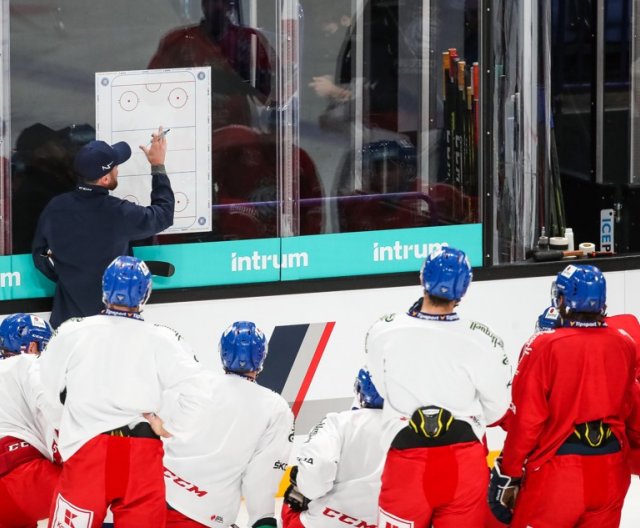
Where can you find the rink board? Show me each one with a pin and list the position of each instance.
(509, 307)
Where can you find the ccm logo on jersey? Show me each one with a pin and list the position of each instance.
(16, 446)
(192, 488)
(347, 519)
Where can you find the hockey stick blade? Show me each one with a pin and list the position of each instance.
(160, 268)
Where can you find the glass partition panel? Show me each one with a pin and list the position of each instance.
(332, 118)
(564, 125)
(516, 83)
(56, 51)
(591, 101)
(389, 112)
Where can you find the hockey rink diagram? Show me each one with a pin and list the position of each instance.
(131, 105)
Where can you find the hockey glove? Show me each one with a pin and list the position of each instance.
(503, 491)
(292, 496)
(296, 500)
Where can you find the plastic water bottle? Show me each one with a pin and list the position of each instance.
(568, 233)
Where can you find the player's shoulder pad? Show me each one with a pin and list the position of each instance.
(73, 321)
(628, 338)
(387, 318)
(535, 341)
(281, 413)
(277, 400)
(316, 429)
(381, 324)
(334, 417)
(628, 319)
(24, 361)
(332, 420)
(484, 332)
(69, 326)
(164, 329)
(356, 414)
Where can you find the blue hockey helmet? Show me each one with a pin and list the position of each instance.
(18, 331)
(243, 347)
(366, 391)
(126, 282)
(583, 288)
(401, 151)
(446, 273)
(380, 158)
(549, 319)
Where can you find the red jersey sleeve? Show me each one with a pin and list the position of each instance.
(529, 407)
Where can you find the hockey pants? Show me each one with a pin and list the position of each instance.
(123, 472)
(441, 486)
(290, 518)
(585, 491)
(26, 493)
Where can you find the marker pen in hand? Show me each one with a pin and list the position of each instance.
(164, 133)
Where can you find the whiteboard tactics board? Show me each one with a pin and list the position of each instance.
(131, 105)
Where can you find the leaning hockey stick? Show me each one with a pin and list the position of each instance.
(160, 268)
(558, 254)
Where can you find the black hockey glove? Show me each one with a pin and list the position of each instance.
(296, 500)
(503, 491)
(292, 496)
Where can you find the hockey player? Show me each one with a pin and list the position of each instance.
(570, 401)
(550, 319)
(240, 447)
(28, 475)
(107, 371)
(337, 479)
(450, 377)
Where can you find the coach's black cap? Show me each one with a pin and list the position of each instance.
(98, 158)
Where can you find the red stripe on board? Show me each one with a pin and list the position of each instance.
(317, 355)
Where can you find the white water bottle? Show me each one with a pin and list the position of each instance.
(568, 234)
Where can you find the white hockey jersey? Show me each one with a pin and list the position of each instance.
(240, 449)
(112, 370)
(455, 364)
(25, 413)
(339, 468)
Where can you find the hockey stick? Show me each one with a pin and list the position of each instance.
(460, 140)
(559, 254)
(160, 268)
(446, 99)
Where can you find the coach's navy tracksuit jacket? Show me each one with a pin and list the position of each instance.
(85, 230)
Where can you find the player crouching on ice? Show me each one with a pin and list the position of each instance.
(571, 419)
(28, 476)
(108, 372)
(337, 479)
(240, 447)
